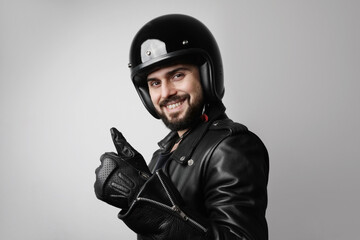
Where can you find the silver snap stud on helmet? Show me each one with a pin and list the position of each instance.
(172, 38)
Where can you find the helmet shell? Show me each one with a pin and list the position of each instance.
(173, 37)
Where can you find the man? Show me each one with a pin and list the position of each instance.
(209, 178)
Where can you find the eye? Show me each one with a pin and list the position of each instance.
(154, 83)
(178, 76)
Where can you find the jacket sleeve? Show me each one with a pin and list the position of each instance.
(235, 188)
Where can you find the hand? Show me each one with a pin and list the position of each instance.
(159, 212)
(120, 176)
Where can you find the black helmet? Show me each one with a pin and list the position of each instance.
(170, 38)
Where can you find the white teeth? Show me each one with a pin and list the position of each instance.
(172, 106)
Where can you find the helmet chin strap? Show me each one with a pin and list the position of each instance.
(204, 117)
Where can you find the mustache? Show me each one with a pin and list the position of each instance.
(174, 98)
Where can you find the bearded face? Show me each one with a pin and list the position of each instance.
(177, 95)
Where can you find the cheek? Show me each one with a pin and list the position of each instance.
(197, 92)
(154, 98)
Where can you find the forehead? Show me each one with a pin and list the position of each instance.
(163, 71)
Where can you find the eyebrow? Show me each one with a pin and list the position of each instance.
(172, 72)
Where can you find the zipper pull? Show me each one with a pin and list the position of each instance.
(144, 175)
(181, 213)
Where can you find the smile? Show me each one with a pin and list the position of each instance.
(174, 105)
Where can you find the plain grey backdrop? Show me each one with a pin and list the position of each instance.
(291, 74)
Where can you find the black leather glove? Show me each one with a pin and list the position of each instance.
(120, 176)
(158, 212)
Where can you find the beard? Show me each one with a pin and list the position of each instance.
(191, 116)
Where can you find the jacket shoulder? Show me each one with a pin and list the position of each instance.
(228, 124)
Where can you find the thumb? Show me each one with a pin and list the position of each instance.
(123, 148)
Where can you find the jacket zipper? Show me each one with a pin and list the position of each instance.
(174, 207)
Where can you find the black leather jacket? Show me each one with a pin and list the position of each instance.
(221, 171)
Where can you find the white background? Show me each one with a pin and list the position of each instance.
(291, 75)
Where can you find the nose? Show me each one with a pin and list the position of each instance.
(167, 89)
